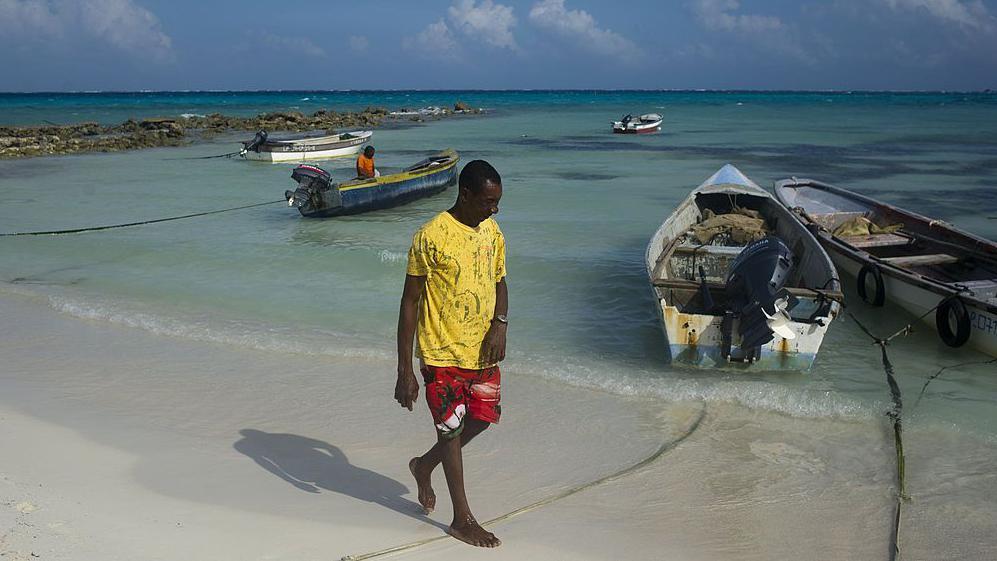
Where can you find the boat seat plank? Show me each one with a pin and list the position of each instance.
(683, 284)
(875, 240)
(916, 260)
(726, 250)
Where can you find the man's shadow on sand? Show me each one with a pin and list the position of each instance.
(313, 465)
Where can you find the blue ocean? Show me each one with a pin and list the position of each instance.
(579, 207)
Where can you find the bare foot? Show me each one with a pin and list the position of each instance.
(427, 498)
(469, 531)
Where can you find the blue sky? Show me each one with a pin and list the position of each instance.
(59, 45)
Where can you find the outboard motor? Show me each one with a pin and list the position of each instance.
(254, 144)
(755, 288)
(312, 181)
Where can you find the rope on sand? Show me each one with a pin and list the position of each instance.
(895, 414)
(96, 228)
(667, 446)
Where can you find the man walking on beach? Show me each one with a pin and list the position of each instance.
(455, 294)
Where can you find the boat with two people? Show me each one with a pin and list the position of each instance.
(318, 196)
(943, 275)
(738, 281)
(304, 147)
(647, 123)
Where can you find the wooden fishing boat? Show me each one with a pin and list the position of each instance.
(935, 271)
(301, 148)
(651, 122)
(318, 196)
(738, 280)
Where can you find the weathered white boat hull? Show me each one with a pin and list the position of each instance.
(302, 156)
(697, 340)
(699, 344)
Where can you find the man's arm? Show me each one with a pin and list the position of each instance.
(407, 387)
(493, 347)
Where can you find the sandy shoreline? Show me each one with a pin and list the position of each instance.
(121, 444)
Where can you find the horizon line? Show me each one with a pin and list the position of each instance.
(505, 90)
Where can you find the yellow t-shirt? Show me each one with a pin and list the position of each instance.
(461, 265)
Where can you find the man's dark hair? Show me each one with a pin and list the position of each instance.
(368, 151)
(475, 174)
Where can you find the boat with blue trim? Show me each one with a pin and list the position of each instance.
(738, 281)
(943, 275)
(317, 196)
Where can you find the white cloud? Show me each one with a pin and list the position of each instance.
(718, 15)
(971, 14)
(27, 16)
(359, 43)
(582, 27)
(490, 22)
(293, 45)
(119, 23)
(435, 41)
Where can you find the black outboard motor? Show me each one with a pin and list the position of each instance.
(312, 181)
(755, 288)
(254, 144)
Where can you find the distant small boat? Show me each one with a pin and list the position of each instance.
(301, 148)
(317, 196)
(651, 122)
(736, 279)
(911, 260)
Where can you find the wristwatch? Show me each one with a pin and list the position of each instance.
(501, 319)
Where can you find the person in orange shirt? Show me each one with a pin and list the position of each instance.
(365, 164)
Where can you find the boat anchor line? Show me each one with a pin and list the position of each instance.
(895, 412)
(112, 226)
(665, 447)
(229, 155)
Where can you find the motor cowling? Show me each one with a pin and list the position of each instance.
(755, 288)
(257, 141)
(312, 180)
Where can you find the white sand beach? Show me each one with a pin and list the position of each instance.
(119, 444)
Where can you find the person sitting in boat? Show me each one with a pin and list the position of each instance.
(365, 164)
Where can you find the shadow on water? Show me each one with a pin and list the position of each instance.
(942, 203)
(873, 160)
(313, 465)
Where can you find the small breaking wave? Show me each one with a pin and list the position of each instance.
(672, 386)
(241, 333)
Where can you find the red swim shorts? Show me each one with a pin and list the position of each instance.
(453, 392)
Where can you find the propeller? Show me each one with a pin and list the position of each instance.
(779, 320)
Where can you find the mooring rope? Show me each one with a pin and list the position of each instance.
(109, 227)
(943, 369)
(895, 414)
(544, 502)
(229, 155)
(896, 410)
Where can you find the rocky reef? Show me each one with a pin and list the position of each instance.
(23, 142)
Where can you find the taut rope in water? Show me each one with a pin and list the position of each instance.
(112, 226)
(544, 502)
(228, 155)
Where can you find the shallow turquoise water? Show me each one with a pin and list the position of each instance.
(580, 205)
